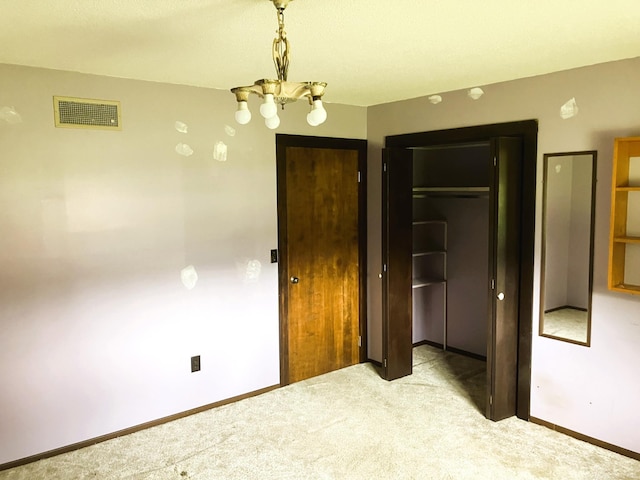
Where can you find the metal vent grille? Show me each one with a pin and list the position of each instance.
(87, 113)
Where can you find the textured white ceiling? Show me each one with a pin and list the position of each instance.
(369, 51)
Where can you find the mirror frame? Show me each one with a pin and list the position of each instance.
(594, 171)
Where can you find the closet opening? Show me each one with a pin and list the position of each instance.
(458, 242)
(450, 249)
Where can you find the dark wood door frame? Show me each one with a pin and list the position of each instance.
(282, 142)
(527, 130)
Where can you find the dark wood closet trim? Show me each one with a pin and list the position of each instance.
(134, 429)
(430, 343)
(528, 131)
(467, 354)
(451, 349)
(282, 142)
(585, 438)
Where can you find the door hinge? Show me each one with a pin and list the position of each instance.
(359, 177)
(493, 284)
(359, 341)
(384, 362)
(384, 167)
(495, 161)
(490, 399)
(384, 267)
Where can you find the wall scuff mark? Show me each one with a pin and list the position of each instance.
(181, 126)
(184, 150)
(250, 270)
(220, 152)
(475, 93)
(189, 277)
(9, 115)
(569, 109)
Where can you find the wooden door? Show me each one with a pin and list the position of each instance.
(322, 257)
(504, 302)
(397, 344)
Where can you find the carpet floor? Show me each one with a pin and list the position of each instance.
(347, 424)
(567, 323)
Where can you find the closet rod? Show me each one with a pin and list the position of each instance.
(460, 192)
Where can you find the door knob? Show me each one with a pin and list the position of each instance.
(295, 279)
(501, 296)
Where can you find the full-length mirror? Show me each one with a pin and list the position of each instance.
(567, 246)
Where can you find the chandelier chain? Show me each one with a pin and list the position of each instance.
(281, 49)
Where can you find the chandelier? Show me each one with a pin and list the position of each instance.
(280, 91)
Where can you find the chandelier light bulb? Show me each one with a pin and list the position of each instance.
(269, 108)
(311, 120)
(317, 115)
(273, 122)
(243, 115)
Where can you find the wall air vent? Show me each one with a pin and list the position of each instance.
(72, 112)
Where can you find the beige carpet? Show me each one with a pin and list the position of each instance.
(348, 424)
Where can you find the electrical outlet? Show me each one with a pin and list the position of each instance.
(195, 363)
(274, 256)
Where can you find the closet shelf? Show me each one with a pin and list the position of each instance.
(429, 252)
(628, 189)
(429, 222)
(425, 282)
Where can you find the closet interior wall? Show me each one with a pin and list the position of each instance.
(451, 216)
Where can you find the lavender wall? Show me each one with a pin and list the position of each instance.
(97, 325)
(467, 272)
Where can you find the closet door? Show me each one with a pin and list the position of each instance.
(397, 345)
(502, 335)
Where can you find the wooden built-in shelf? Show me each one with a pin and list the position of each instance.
(625, 211)
(626, 288)
(627, 239)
